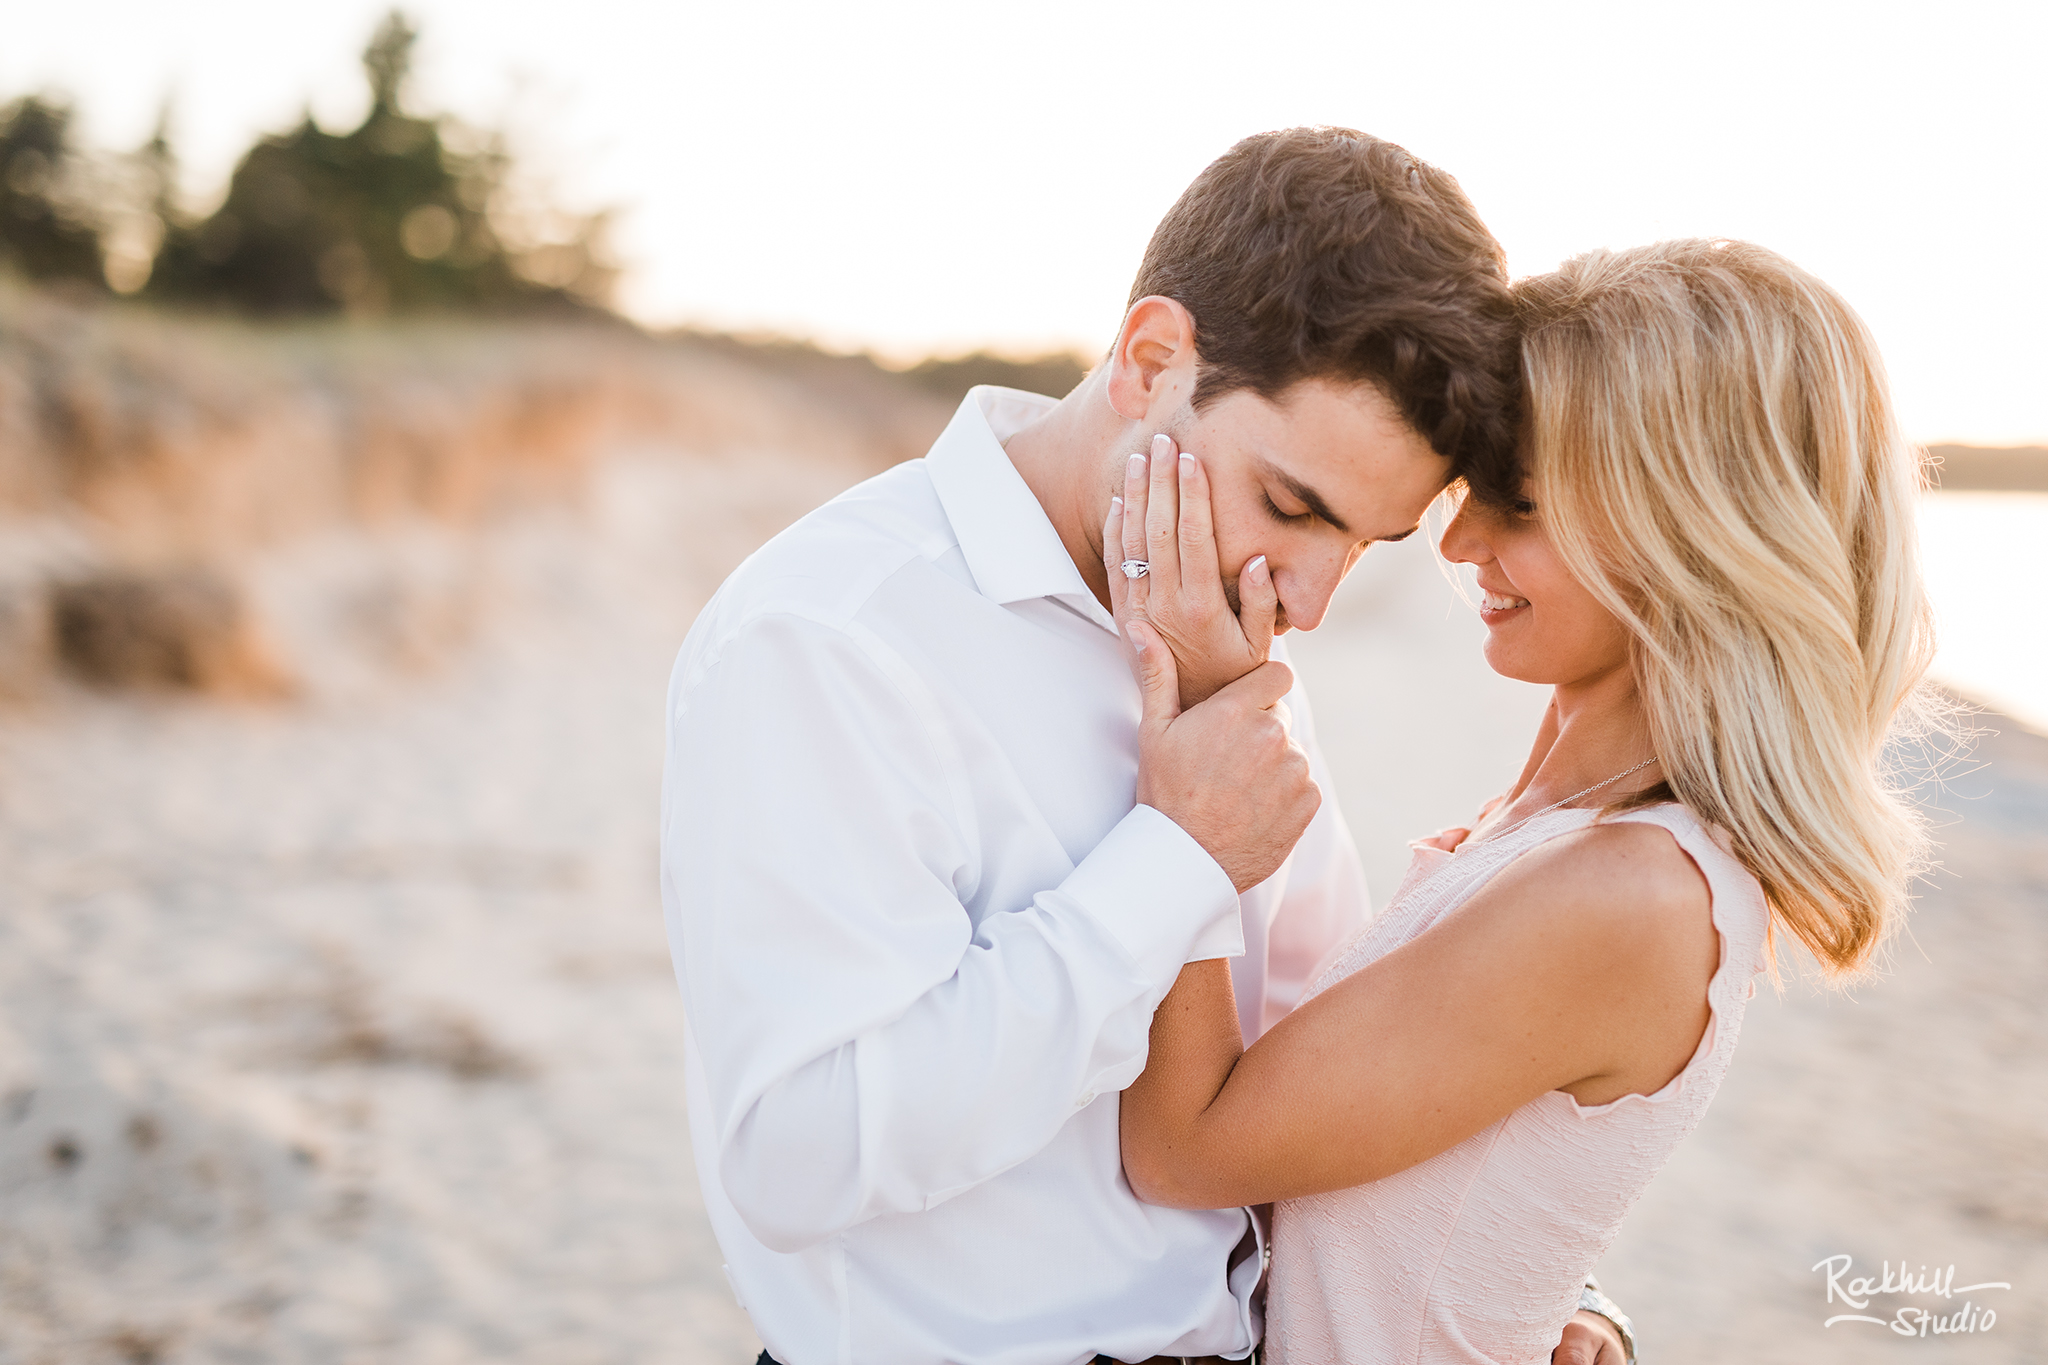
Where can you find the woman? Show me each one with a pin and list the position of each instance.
(1711, 562)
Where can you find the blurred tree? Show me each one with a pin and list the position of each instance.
(1055, 373)
(47, 229)
(134, 200)
(157, 166)
(387, 218)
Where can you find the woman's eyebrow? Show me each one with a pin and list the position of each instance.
(1309, 497)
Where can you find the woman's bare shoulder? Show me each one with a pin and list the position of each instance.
(1610, 874)
(1617, 918)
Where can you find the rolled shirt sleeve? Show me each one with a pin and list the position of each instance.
(868, 1046)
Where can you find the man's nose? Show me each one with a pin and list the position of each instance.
(1307, 585)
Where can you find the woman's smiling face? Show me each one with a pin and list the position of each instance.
(1542, 625)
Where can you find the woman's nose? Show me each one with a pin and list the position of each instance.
(1463, 542)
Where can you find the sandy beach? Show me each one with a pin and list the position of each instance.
(343, 1029)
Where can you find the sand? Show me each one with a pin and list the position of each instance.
(344, 1030)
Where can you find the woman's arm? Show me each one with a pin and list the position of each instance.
(1583, 967)
(1195, 1045)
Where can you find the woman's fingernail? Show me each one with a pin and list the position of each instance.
(1187, 465)
(1161, 443)
(1116, 504)
(1256, 569)
(1136, 467)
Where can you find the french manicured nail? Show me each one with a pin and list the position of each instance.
(1136, 468)
(1116, 504)
(1161, 444)
(1187, 465)
(1256, 570)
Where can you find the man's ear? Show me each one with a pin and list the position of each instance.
(1152, 368)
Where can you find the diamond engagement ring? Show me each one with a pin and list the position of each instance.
(1135, 568)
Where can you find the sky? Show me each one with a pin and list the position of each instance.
(921, 177)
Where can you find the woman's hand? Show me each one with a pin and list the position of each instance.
(1444, 840)
(1164, 519)
(1589, 1339)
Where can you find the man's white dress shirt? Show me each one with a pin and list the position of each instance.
(920, 930)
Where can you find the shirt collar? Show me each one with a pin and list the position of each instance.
(1010, 545)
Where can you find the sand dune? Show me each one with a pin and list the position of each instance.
(259, 510)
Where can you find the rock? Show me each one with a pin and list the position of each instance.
(181, 628)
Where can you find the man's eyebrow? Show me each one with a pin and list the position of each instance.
(1309, 497)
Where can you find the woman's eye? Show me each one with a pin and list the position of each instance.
(1524, 508)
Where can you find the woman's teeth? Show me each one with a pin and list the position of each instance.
(1497, 602)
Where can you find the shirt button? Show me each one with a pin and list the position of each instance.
(1085, 1100)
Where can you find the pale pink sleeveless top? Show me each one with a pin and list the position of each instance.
(1478, 1254)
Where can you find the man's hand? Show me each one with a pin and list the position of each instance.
(1164, 518)
(1589, 1339)
(1226, 771)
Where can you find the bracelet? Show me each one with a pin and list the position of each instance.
(1591, 1300)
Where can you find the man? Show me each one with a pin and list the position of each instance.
(919, 922)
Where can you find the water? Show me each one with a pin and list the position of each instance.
(1984, 554)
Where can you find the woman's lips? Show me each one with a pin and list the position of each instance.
(1498, 606)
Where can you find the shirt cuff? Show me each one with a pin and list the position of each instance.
(1159, 894)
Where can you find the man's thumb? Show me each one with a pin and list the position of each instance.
(1158, 679)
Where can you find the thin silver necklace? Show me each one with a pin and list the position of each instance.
(1503, 833)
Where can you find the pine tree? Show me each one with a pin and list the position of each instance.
(386, 218)
(47, 231)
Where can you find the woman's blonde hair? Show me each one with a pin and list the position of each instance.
(1713, 453)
